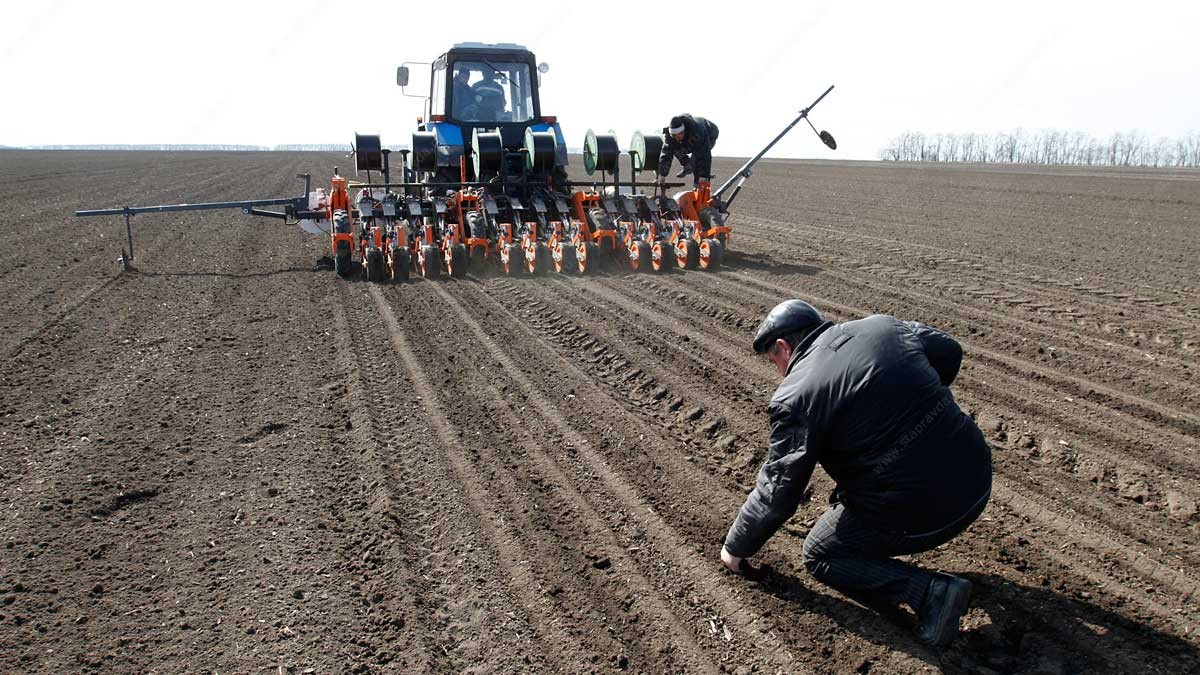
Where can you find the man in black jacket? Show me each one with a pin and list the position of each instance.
(870, 401)
(690, 140)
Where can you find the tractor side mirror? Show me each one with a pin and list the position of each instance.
(402, 76)
(827, 139)
(543, 67)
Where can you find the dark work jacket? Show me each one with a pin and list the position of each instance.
(699, 136)
(869, 400)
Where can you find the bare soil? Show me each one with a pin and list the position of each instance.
(231, 460)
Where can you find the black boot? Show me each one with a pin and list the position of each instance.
(685, 169)
(945, 602)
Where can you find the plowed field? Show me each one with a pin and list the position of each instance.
(231, 460)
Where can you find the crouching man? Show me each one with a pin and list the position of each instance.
(870, 401)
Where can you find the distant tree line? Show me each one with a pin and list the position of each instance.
(1046, 146)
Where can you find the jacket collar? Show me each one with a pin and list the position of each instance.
(806, 345)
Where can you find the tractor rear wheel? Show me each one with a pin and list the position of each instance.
(343, 260)
(400, 264)
(431, 262)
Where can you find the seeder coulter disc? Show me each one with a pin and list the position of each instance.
(600, 152)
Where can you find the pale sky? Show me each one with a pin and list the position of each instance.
(316, 71)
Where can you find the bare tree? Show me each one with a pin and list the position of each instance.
(1046, 146)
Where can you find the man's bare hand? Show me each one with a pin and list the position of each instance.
(732, 562)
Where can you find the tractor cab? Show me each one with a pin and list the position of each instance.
(486, 91)
(476, 88)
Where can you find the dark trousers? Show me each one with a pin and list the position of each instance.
(849, 554)
(685, 159)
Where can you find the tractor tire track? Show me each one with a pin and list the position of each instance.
(701, 572)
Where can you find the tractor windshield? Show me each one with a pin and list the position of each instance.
(486, 90)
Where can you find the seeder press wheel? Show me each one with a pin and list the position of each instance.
(712, 254)
(400, 264)
(541, 260)
(662, 256)
(431, 262)
(640, 256)
(342, 259)
(376, 270)
(565, 259)
(587, 257)
(687, 254)
(514, 259)
(477, 259)
(456, 260)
